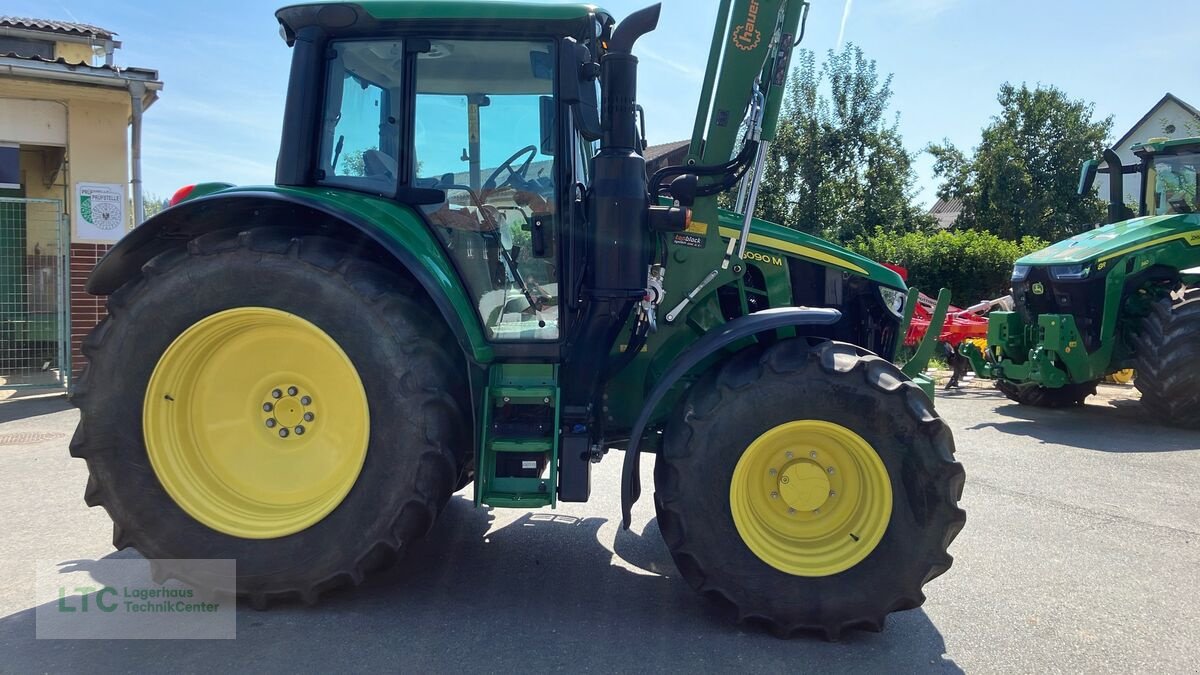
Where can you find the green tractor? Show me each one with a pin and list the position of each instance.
(463, 273)
(1121, 296)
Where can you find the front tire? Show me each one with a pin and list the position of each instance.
(189, 390)
(1168, 360)
(821, 414)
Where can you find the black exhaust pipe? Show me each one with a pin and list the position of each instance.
(619, 247)
(1116, 186)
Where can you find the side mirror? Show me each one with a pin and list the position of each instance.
(1087, 176)
(577, 86)
(548, 114)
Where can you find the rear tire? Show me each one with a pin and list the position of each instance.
(825, 383)
(418, 436)
(1032, 394)
(1168, 360)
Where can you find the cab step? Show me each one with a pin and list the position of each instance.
(518, 455)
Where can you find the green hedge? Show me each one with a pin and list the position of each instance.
(974, 265)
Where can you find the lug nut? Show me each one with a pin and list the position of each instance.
(271, 423)
(788, 454)
(772, 471)
(774, 495)
(829, 471)
(267, 407)
(283, 433)
(275, 393)
(305, 400)
(833, 493)
(813, 454)
(292, 391)
(308, 417)
(299, 429)
(791, 511)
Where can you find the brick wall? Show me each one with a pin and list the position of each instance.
(86, 310)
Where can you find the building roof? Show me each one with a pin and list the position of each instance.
(945, 212)
(655, 151)
(1150, 113)
(38, 64)
(59, 70)
(59, 27)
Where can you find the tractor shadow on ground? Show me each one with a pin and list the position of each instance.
(15, 409)
(541, 591)
(1120, 426)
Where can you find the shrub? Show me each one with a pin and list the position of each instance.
(974, 265)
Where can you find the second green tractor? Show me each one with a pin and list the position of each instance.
(1124, 295)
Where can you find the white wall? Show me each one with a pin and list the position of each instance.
(31, 122)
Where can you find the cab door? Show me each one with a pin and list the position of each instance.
(484, 132)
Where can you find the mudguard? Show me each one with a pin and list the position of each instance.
(395, 227)
(713, 341)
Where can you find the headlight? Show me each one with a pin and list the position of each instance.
(1020, 272)
(893, 300)
(1067, 272)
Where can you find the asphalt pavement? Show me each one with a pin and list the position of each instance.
(1081, 553)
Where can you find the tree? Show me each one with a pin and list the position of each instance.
(838, 167)
(974, 265)
(1023, 176)
(152, 204)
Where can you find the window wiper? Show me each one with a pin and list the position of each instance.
(492, 233)
(337, 152)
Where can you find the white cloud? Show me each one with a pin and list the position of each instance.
(845, 17)
(690, 71)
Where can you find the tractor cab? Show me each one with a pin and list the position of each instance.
(1171, 179)
(470, 126)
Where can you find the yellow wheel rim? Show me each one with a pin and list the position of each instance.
(810, 498)
(1121, 376)
(256, 422)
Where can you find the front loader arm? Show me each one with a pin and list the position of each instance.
(743, 91)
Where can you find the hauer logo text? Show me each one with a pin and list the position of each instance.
(746, 36)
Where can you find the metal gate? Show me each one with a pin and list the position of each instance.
(34, 291)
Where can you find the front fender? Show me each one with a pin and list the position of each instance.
(712, 342)
(395, 227)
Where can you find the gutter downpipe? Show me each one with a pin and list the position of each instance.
(136, 91)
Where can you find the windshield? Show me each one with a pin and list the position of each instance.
(1174, 184)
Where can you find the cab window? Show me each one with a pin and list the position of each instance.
(485, 130)
(360, 133)
(1175, 184)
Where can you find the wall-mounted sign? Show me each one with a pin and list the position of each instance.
(99, 212)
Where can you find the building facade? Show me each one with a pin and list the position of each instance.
(70, 121)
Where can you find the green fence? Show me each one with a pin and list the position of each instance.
(34, 292)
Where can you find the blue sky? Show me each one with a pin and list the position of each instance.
(225, 68)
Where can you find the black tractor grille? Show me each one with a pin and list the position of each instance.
(1083, 299)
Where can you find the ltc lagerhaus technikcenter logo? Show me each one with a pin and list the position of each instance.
(119, 599)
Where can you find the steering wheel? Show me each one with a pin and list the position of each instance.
(490, 183)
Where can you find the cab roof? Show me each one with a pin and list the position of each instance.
(1164, 146)
(521, 10)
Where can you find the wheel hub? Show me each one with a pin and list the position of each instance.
(289, 410)
(804, 485)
